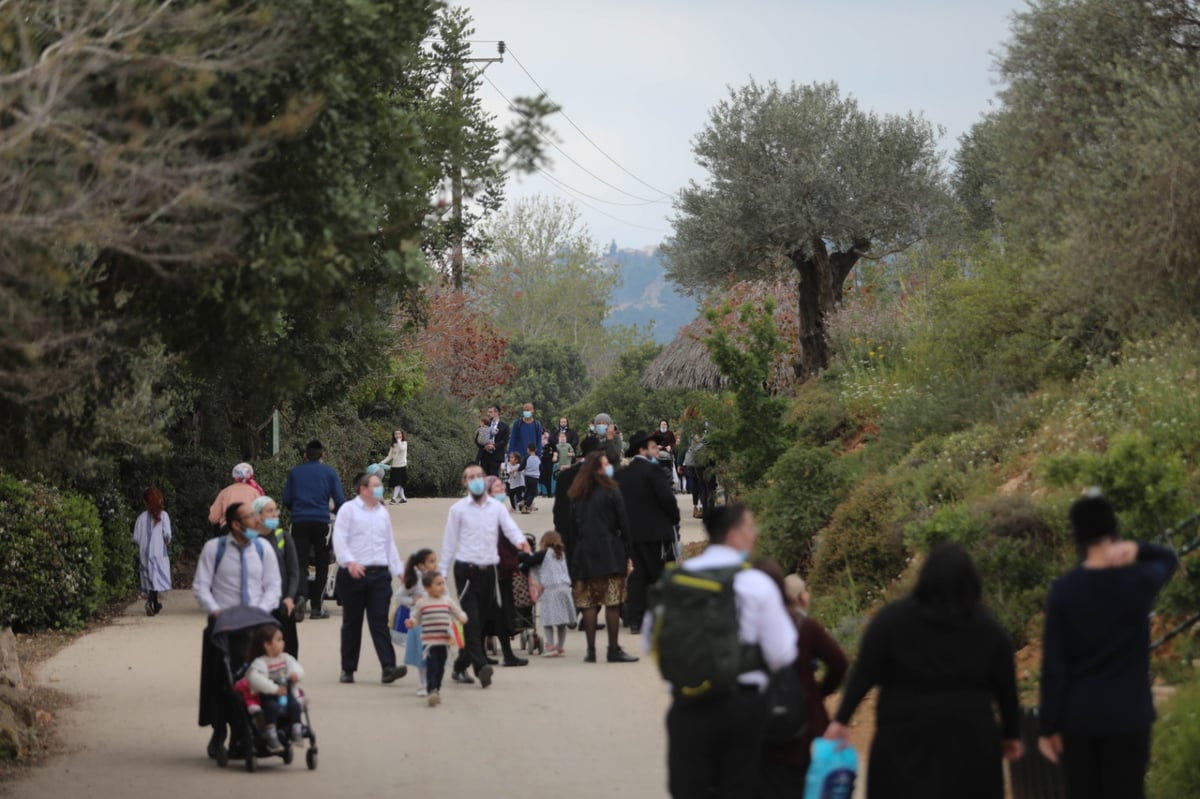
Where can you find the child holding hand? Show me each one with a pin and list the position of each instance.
(410, 592)
(435, 613)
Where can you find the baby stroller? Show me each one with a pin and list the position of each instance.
(525, 610)
(247, 741)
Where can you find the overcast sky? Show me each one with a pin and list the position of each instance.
(638, 78)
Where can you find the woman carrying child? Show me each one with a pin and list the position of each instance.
(556, 607)
(420, 563)
(271, 674)
(435, 613)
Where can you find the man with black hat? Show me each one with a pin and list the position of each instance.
(653, 519)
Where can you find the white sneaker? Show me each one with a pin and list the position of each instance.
(421, 692)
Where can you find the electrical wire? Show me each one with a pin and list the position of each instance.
(590, 196)
(567, 155)
(563, 114)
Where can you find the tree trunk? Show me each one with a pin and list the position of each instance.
(820, 277)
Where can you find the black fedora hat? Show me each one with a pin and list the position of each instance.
(639, 440)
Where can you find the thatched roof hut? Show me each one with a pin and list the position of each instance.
(685, 363)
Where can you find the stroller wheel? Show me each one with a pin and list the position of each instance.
(310, 758)
(251, 762)
(288, 754)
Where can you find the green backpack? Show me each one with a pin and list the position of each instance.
(695, 634)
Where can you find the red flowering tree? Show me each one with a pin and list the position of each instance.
(463, 351)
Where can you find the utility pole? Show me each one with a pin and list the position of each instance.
(456, 176)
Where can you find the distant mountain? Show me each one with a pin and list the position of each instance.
(645, 295)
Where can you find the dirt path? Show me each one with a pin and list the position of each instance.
(558, 727)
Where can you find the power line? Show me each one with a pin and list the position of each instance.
(566, 155)
(551, 177)
(566, 188)
(580, 130)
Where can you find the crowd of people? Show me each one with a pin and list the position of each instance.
(942, 663)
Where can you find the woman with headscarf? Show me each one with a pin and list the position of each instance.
(940, 661)
(600, 562)
(152, 533)
(289, 569)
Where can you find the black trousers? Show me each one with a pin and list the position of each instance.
(272, 712)
(714, 746)
(311, 540)
(435, 667)
(371, 594)
(215, 695)
(1106, 766)
(649, 561)
(287, 623)
(477, 597)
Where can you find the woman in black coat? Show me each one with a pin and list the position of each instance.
(600, 562)
(940, 661)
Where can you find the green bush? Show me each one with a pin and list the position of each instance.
(1017, 547)
(798, 497)
(441, 435)
(120, 552)
(52, 561)
(863, 546)
(1174, 767)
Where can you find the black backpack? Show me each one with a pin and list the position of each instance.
(695, 636)
(787, 707)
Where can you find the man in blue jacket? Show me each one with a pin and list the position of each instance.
(525, 431)
(309, 489)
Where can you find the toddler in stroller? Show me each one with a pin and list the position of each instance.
(262, 692)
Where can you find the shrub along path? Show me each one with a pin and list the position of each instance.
(558, 727)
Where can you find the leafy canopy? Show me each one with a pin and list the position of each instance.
(790, 165)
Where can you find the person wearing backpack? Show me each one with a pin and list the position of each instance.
(786, 759)
(720, 629)
(234, 569)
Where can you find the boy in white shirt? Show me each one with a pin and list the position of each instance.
(533, 471)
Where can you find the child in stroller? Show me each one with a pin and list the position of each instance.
(252, 710)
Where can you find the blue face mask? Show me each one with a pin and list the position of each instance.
(499, 498)
(527, 414)
(271, 524)
(250, 534)
(601, 429)
(476, 485)
(378, 492)
(609, 470)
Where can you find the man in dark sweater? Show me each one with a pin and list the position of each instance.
(1096, 707)
(307, 493)
(653, 519)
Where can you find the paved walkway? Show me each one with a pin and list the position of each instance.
(555, 728)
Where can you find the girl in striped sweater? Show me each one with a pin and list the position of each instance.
(436, 613)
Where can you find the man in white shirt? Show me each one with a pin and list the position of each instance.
(246, 573)
(715, 745)
(367, 561)
(471, 548)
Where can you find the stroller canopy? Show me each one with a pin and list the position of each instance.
(241, 617)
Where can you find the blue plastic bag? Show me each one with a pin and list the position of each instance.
(832, 771)
(399, 628)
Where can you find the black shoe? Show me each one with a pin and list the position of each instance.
(300, 607)
(319, 613)
(485, 676)
(492, 661)
(393, 673)
(516, 661)
(404, 500)
(149, 608)
(214, 746)
(618, 655)
(462, 677)
(346, 676)
(635, 630)
(157, 607)
(590, 657)
(600, 626)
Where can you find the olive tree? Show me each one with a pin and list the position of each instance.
(803, 179)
